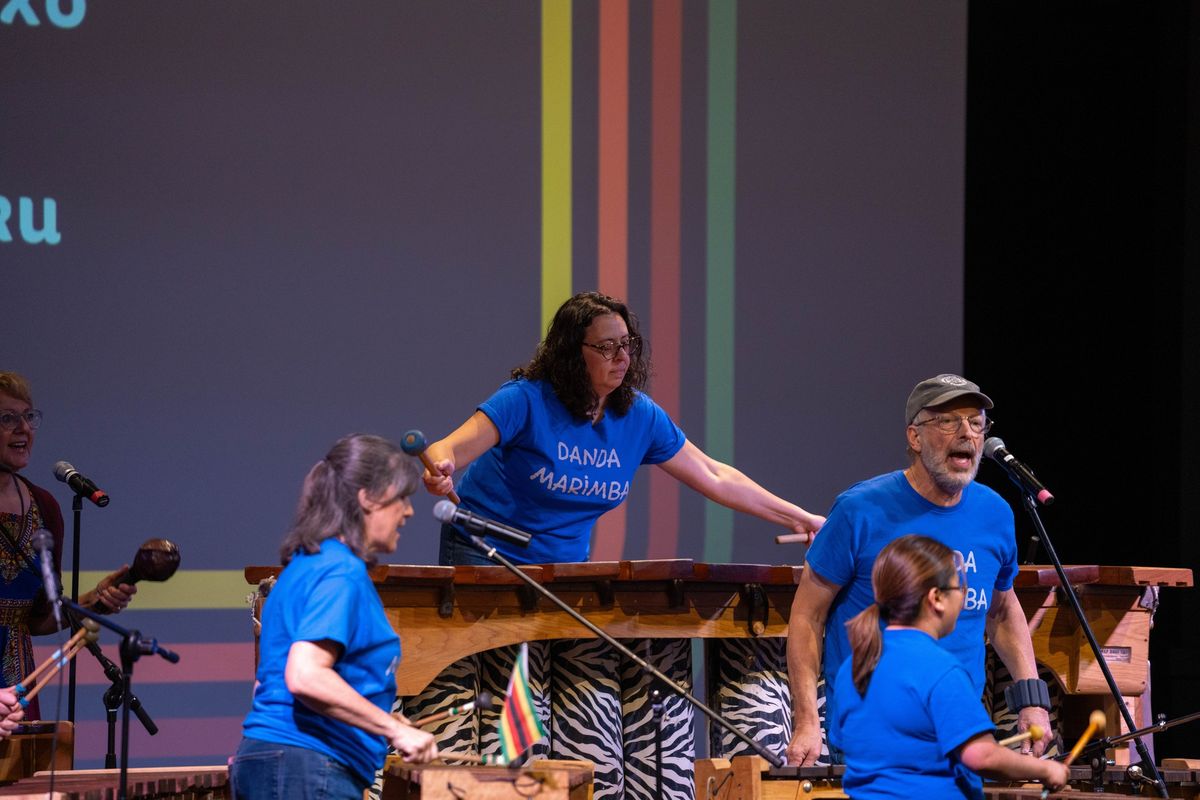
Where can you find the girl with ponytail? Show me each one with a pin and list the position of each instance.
(910, 724)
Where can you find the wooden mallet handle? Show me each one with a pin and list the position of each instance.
(1096, 723)
(484, 700)
(414, 444)
(794, 538)
(1035, 732)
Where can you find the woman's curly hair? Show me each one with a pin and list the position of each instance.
(558, 359)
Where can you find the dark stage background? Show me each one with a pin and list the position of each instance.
(280, 222)
(1082, 248)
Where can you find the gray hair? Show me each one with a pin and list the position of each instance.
(329, 504)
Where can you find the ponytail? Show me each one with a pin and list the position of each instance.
(866, 644)
(904, 571)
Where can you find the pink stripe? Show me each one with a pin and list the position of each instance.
(665, 234)
(198, 662)
(181, 738)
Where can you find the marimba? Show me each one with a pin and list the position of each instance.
(153, 783)
(446, 613)
(751, 778)
(545, 780)
(36, 746)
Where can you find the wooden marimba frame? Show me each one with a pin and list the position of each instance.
(751, 778)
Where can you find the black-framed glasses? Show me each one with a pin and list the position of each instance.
(9, 420)
(950, 423)
(960, 569)
(608, 349)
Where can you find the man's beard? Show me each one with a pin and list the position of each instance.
(949, 481)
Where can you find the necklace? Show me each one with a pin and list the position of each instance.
(26, 519)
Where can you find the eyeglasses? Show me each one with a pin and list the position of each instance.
(950, 423)
(960, 569)
(10, 420)
(608, 349)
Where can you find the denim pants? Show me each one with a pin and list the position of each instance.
(269, 771)
(453, 549)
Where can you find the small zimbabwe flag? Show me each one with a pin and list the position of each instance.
(520, 726)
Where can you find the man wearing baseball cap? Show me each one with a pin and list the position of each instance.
(946, 422)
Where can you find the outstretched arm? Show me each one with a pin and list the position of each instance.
(468, 442)
(723, 484)
(981, 754)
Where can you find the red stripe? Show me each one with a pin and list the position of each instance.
(199, 662)
(613, 200)
(522, 716)
(665, 235)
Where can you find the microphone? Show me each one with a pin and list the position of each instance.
(448, 512)
(82, 485)
(43, 542)
(1020, 474)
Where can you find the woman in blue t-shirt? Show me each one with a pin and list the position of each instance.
(557, 446)
(910, 723)
(320, 725)
(550, 452)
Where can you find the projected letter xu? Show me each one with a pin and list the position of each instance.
(26, 224)
(53, 8)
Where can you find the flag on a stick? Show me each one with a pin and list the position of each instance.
(520, 726)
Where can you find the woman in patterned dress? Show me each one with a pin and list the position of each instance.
(24, 509)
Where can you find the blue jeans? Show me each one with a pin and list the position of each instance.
(454, 550)
(269, 771)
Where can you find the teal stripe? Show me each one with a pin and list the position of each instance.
(719, 378)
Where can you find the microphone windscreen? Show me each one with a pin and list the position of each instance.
(992, 445)
(63, 470)
(444, 510)
(42, 540)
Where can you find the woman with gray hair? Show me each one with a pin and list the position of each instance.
(320, 725)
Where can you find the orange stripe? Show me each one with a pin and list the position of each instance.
(665, 235)
(198, 662)
(613, 205)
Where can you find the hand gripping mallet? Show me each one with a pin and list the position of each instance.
(414, 444)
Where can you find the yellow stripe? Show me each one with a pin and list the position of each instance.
(556, 156)
(194, 588)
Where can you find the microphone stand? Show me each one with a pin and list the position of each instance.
(133, 646)
(1030, 503)
(114, 698)
(76, 513)
(678, 690)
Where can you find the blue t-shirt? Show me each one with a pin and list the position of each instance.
(870, 514)
(326, 595)
(553, 474)
(920, 707)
